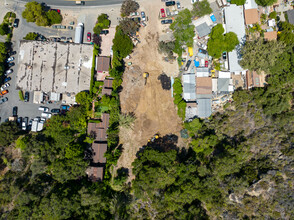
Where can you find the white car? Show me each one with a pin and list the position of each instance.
(10, 59)
(8, 72)
(5, 86)
(44, 109)
(178, 5)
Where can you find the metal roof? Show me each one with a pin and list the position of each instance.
(189, 86)
(203, 30)
(204, 108)
(290, 14)
(250, 4)
(234, 17)
(223, 85)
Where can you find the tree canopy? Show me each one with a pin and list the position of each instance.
(260, 55)
(201, 8)
(238, 2)
(265, 2)
(31, 36)
(129, 6)
(122, 44)
(219, 42)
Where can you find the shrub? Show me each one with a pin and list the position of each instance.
(238, 2)
(54, 17)
(31, 36)
(4, 29)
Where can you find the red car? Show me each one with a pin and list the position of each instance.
(89, 37)
(206, 63)
(162, 13)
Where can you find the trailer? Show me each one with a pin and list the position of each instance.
(79, 33)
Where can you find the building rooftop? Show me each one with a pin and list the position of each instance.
(203, 30)
(234, 18)
(108, 83)
(251, 16)
(99, 149)
(290, 14)
(106, 91)
(189, 86)
(54, 66)
(204, 108)
(203, 85)
(95, 173)
(250, 4)
(223, 85)
(270, 35)
(202, 72)
(102, 64)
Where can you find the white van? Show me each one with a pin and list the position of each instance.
(43, 109)
(46, 115)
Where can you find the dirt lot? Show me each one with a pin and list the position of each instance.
(153, 107)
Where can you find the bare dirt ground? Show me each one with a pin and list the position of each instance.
(153, 107)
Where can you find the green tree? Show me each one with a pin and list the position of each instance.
(201, 8)
(31, 36)
(103, 21)
(34, 12)
(286, 35)
(128, 26)
(260, 55)
(9, 131)
(265, 2)
(4, 29)
(54, 17)
(218, 42)
(122, 44)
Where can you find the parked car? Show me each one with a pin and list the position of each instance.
(202, 51)
(206, 63)
(5, 86)
(44, 109)
(43, 120)
(225, 55)
(104, 32)
(3, 100)
(24, 126)
(54, 26)
(89, 37)
(178, 5)
(12, 53)
(134, 14)
(14, 111)
(8, 72)
(7, 79)
(62, 27)
(26, 120)
(69, 27)
(10, 59)
(55, 110)
(162, 13)
(168, 21)
(4, 92)
(170, 3)
(19, 120)
(16, 21)
(188, 65)
(46, 115)
(69, 39)
(27, 96)
(11, 64)
(143, 16)
(193, 1)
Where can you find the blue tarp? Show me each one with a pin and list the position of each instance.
(196, 63)
(213, 18)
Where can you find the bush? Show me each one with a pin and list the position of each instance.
(178, 100)
(103, 21)
(4, 29)
(265, 2)
(122, 44)
(20, 94)
(31, 36)
(273, 15)
(238, 2)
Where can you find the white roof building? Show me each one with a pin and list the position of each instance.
(234, 17)
(250, 4)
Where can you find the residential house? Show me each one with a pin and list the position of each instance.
(251, 16)
(189, 87)
(102, 67)
(271, 35)
(95, 173)
(204, 108)
(99, 149)
(107, 87)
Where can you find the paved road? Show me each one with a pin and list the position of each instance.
(73, 2)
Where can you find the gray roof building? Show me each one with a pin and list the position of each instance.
(234, 17)
(223, 85)
(203, 30)
(290, 14)
(189, 86)
(204, 108)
